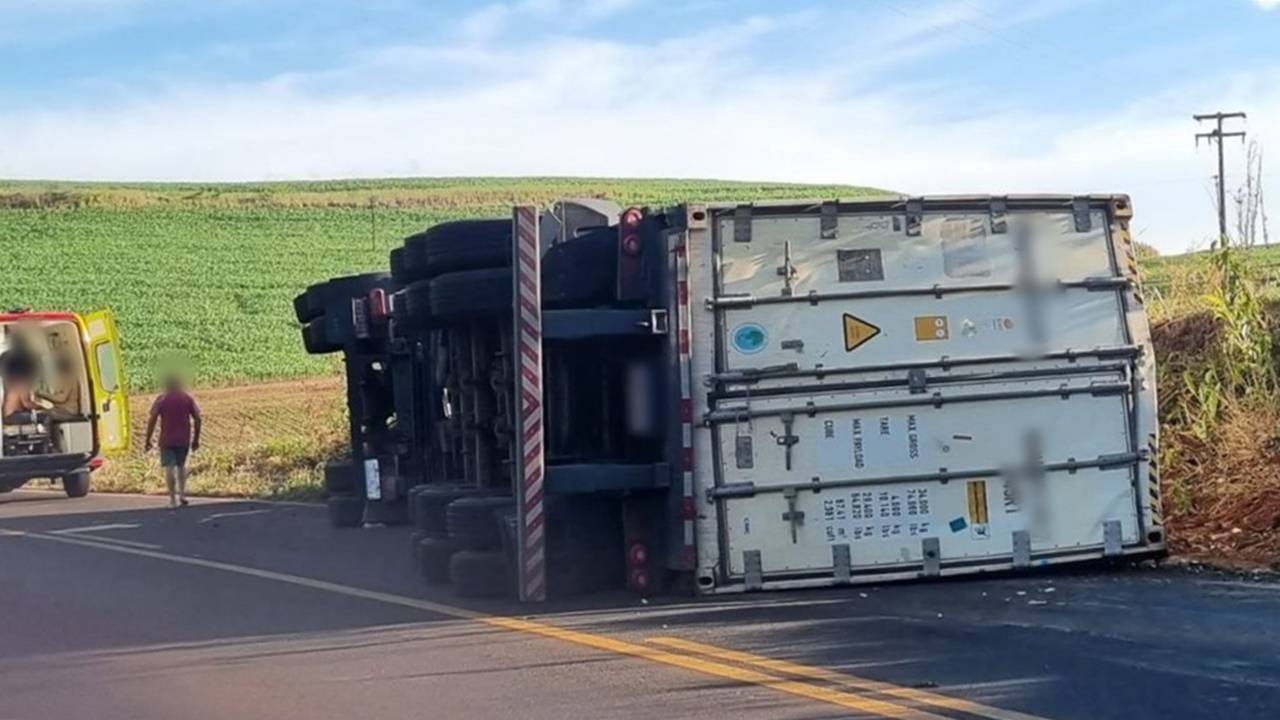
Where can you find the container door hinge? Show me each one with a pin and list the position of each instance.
(841, 563)
(1112, 539)
(931, 551)
(1080, 211)
(753, 569)
(1021, 549)
(915, 216)
(999, 216)
(742, 223)
(829, 222)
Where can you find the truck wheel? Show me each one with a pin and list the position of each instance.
(462, 245)
(396, 260)
(337, 292)
(471, 294)
(76, 484)
(315, 338)
(474, 523)
(582, 272)
(386, 513)
(346, 511)
(411, 502)
(340, 478)
(306, 305)
(429, 513)
(478, 574)
(433, 555)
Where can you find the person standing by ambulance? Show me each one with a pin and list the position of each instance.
(179, 419)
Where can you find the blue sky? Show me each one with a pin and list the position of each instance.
(921, 96)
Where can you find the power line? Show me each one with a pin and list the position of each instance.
(1216, 136)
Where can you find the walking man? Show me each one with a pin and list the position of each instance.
(179, 418)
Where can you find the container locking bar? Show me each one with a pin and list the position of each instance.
(1071, 465)
(793, 370)
(813, 297)
(937, 399)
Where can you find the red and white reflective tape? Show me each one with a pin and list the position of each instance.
(531, 552)
(688, 509)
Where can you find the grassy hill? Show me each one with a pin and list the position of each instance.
(207, 271)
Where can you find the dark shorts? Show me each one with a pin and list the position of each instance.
(174, 456)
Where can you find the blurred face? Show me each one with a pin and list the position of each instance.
(173, 384)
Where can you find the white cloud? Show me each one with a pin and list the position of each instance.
(1267, 4)
(692, 106)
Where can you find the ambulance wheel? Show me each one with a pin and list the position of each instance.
(76, 484)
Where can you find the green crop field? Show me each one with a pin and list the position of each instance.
(207, 272)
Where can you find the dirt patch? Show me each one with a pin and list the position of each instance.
(1226, 492)
(268, 440)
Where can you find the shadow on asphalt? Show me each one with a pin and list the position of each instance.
(1092, 641)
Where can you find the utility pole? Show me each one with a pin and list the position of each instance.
(1215, 136)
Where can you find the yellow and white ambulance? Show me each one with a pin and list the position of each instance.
(63, 397)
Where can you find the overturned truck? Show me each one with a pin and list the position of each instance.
(739, 396)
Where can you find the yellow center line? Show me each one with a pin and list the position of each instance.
(843, 679)
(833, 696)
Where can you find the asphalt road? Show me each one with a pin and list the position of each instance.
(115, 607)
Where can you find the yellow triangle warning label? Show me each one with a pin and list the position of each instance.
(857, 332)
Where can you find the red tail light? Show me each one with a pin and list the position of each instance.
(637, 555)
(379, 308)
(630, 247)
(639, 579)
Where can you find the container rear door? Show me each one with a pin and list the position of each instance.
(878, 393)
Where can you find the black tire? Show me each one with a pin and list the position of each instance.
(431, 503)
(474, 522)
(411, 502)
(346, 511)
(582, 272)
(339, 291)
(433, 556)
(478, 574)
(76, 484)
(378, 512)
(413, 305)
(315, 338)
(398, 274)
(340, 478)
(472, 294)
(462, 245)
(303, 309)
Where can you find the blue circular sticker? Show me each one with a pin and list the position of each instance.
(750, 338)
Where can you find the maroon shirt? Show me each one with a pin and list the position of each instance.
(175, 410)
